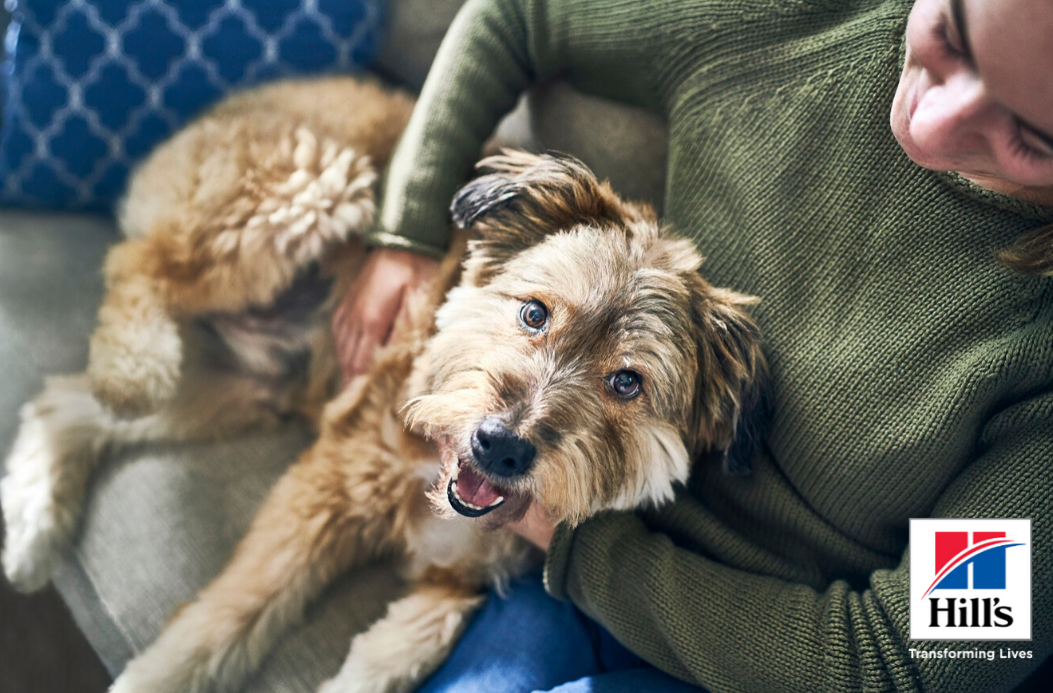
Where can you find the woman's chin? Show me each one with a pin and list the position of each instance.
(900, 123)
(918, 154)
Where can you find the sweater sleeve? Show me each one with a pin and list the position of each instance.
(730, 630)
(493, 50)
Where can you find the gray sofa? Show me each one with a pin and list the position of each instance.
(162, 520)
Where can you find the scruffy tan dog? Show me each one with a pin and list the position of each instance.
(216, 315)
(576, 360)
(580, 363)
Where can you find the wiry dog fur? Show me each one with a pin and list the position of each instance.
(619, 296)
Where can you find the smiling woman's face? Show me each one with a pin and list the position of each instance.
(976, 94)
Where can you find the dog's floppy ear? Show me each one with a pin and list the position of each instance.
(522, 197)
(733, 402)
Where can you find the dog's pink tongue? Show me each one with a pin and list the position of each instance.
(474, 488)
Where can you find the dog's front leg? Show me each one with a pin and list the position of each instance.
(61, 438)
(65, 432)
(136, 352)
(411, 641)
(305, 535)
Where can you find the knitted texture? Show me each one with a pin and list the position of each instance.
(913, 375)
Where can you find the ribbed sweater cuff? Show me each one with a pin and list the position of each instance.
(383, 239)
(557, 562)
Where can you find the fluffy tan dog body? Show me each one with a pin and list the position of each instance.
(566, 290)
(224, 216)
(240, 231)
(360, 492)
(576, 361)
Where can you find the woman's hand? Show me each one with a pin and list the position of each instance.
(535, 527)
(374, 306)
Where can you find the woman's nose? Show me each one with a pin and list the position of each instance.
(960, 112)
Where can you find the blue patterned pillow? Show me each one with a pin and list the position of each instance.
(91, 86)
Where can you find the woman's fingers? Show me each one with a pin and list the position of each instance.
(375, 306)
(370, 320)
(363, 355)
(402, 318)
(535, 527)
(347, 355)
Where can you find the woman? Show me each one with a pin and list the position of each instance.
(909, 328)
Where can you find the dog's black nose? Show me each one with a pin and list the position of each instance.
(499, 451)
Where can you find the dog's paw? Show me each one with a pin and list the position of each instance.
(342, 683)
(59, 441)
(326, 199)
(135, 371)
(143, 679)
(32, 543)
(132, 682)
(128, 682)
(359, 676)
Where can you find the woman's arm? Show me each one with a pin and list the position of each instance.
(731, 630)
(492, 52)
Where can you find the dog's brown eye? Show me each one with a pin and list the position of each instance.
(533, 314)
(626, 384)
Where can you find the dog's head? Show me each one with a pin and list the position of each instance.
(582, 363)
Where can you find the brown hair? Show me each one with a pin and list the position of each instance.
(1032, 253)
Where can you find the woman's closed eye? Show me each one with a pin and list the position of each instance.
(950, 46)
(1029, 144)
(1024, 141)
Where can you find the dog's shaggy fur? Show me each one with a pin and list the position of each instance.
(241, 232)
(576, 360)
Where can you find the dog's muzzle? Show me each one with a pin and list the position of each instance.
(497, 454)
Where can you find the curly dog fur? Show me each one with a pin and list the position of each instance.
(568, 355)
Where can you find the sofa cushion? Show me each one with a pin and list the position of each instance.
(624, 144)
(50, 287)
(413, 32)
(161, 520)
(90, 88)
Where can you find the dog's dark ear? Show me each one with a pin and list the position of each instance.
(522, 197)
(733, 404)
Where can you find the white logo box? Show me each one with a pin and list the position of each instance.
(980, 604)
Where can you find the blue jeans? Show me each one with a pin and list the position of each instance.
(528, 641)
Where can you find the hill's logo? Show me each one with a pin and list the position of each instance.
(970, 579)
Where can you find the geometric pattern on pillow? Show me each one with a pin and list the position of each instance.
(91, 87)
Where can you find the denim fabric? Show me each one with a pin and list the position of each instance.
(527, 641)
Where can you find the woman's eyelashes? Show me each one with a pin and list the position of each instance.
(1028, 144)
(942, 37)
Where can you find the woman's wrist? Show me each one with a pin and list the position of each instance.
(535, 527)
(381, 240)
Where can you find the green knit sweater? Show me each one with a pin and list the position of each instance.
(913, 374)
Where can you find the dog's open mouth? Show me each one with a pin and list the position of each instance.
(471, 494)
